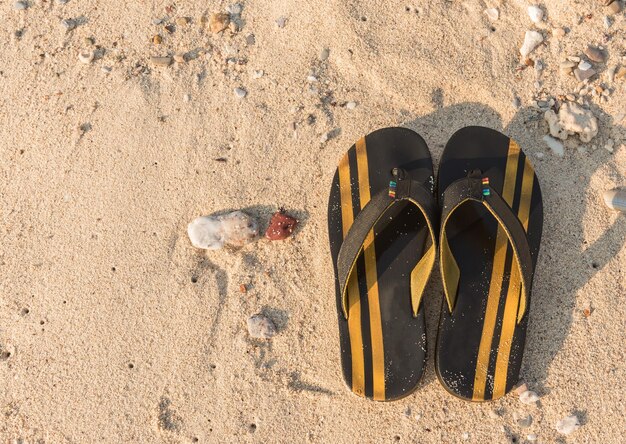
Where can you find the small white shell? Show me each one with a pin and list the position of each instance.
(261, 327)
(532, 39)
(86, 56)
(535, 13)
(213, 232)
(615, 199)
(528, 397)
(492, 13)
(567, 425)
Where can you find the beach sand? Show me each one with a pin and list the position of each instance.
(113, 328)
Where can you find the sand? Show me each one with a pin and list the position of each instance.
(113, 328)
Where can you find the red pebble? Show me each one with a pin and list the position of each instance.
(281, 226)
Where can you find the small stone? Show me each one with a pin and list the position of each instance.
(610, 73)
(556, 147)
(615, 7)
(161, 61)
(524, 421)
(595, 54)
(86, 56)
(492, 13)
(607, 22)
(584, 65)
(257, 74)
(532, 39)
(157, 39)
(261, 327)
(609, 145)
(169, 28)
(535, 13)
(567, 425)
(584, 74)
(465, 436)
(20, 6)
(539, 155)
(281, 22)
(573, 59)
(559, 33)
(218, 22)
(179, 58)
(281, 226)
(570, 97)
(250, 40)
(69, 24)
(157, 21)
(531, 437)
(324, 54)
(234, 28)
(324, 138)
(186, 98)
(567, 64)
(182, 21)
(62, 2)
(621, 72)
(311, 78)
(213, 232)
(240, 93)
(351, 105)
(106, 69)
(528, 397)
(243, 288)
(517, 102)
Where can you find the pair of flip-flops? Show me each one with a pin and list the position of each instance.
(387, 224)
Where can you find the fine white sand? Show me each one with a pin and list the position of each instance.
(100, 173)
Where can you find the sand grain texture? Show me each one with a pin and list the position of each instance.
(118, 330)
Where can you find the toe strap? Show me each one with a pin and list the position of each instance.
(401, 189)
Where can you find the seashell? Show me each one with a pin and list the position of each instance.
(535, 13)
(567, 425)
(528, 397)
(615, 199)
(532, 39)
(261, 327)
(213, 232)
(86, 56)
(524, 421)
(281, 226)
(492, 13)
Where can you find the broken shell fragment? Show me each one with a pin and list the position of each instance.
(615, 199)
(567, 425)
(281, 226)
(213, 232)
(572, 119)
(86, 56)
(261, 327)
(528, 397)
(532, 39)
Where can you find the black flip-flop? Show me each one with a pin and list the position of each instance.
(381, 220)
(491, 221)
